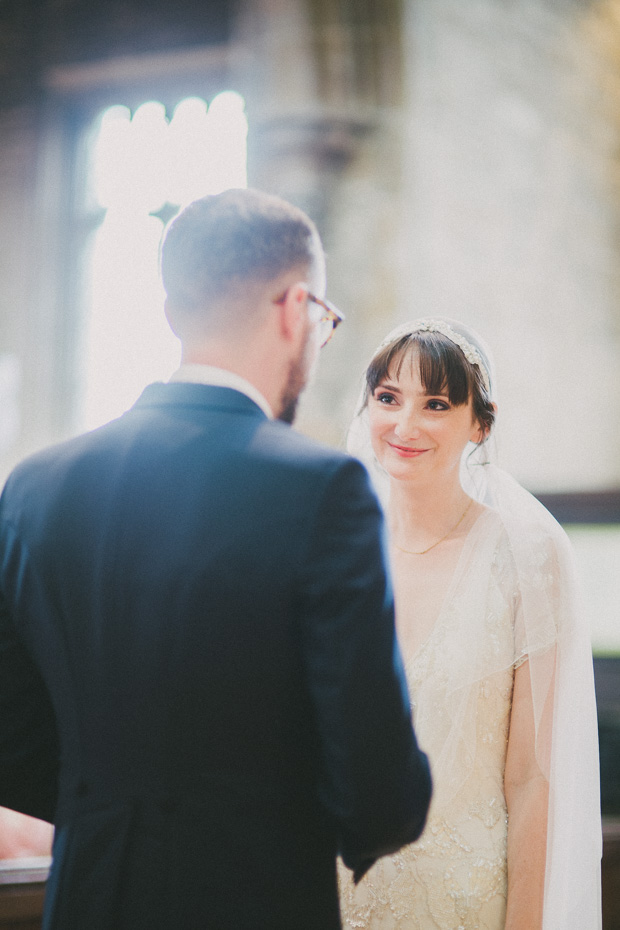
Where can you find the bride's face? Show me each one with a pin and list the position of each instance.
(414, 434)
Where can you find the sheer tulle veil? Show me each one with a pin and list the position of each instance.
(550, 629)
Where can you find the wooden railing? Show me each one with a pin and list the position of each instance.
(611, 874)
(22, 886)
(22, 892)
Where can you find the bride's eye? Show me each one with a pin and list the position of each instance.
(438, 405)
(384, 397)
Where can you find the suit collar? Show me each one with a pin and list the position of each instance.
(221, 377)
(184, 394)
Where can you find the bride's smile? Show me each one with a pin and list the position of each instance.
(406, 451)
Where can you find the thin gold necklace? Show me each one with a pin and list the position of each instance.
(456, 525)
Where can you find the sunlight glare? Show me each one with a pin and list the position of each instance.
(138, 166)
(110, 152)
(212, 145)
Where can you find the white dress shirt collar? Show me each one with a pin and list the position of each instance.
(220, 377)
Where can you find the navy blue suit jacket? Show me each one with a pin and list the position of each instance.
(199, 681)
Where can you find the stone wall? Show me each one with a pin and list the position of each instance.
(18, 162)
(512, 219)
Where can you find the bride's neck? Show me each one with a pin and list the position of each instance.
(420, 512)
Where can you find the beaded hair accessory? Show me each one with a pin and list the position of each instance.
(470, 352)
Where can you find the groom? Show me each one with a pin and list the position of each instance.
(199, 681)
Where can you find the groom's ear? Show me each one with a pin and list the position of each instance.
(293, 312)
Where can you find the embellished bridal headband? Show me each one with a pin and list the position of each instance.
(470, 352)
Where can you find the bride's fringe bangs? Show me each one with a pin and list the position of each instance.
(443, 370)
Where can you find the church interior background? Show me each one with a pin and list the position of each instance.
(459, 159)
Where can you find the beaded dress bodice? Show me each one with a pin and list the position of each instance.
(454, 877)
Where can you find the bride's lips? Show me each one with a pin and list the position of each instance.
(406, 451)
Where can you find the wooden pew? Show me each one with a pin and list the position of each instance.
(22, 892)
(22, 886)
(611, 874)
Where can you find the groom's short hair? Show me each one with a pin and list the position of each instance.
(222, 242)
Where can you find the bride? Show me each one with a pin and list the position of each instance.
(497, 656)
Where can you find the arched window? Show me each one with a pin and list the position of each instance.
(141, 168)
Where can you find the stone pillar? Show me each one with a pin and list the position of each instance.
(323, 87)
(512, 217)
(24, 349)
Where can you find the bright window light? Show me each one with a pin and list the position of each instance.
(142, 169)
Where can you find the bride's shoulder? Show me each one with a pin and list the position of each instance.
(531, 548)
(526, 521)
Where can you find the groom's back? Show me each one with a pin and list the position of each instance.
(165, 558)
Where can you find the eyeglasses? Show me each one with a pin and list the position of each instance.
(330, 317)
(327, 318)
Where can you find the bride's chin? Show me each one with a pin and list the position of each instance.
(404, 474)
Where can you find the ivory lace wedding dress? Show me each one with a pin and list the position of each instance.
(454, 877)
(507, 602)
(512, 598)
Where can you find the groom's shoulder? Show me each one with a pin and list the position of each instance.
(284, 458)
(301, 468)
(290, 446)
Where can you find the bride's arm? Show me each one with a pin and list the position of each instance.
(527, 797)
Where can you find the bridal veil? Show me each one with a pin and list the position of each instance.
(552, 634)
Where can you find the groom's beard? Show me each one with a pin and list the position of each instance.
(298, 376)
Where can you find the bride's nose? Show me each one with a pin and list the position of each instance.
(408, 424)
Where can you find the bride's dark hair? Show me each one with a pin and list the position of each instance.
(443, 370)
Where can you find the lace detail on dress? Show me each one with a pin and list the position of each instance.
(454, 877)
